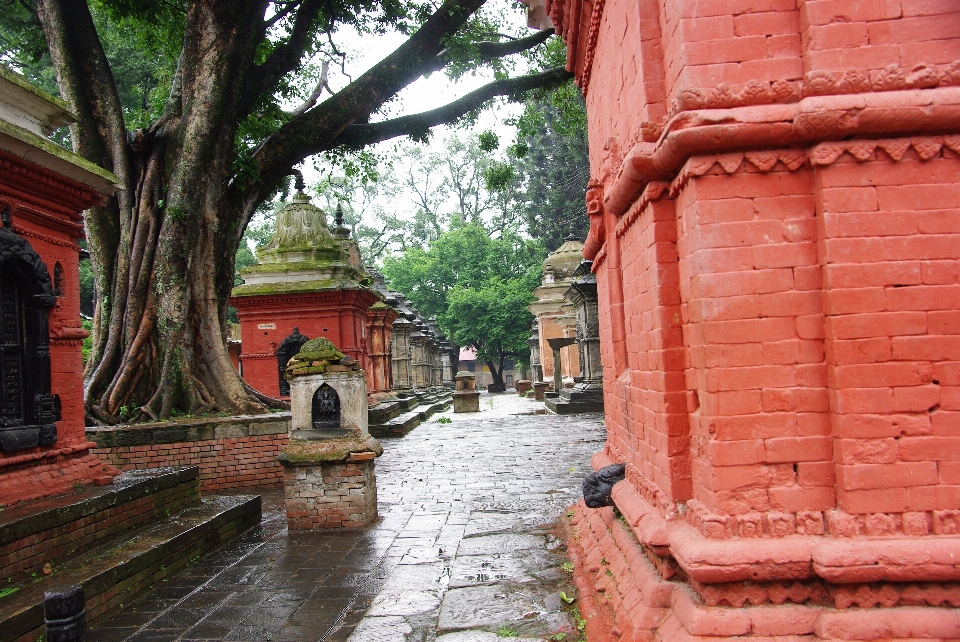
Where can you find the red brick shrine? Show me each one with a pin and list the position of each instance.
(43, 191)
(310, 284)
(775, 229)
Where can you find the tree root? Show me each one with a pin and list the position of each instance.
(269, 402)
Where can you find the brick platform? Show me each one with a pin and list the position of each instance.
(331, 494)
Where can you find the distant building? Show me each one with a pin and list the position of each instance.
(470, 363)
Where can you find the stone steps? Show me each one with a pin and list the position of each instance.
(115, 572)
(430, 403)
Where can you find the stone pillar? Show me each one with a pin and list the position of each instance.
(329, 479)
(401, 349)
(583, 294)
(418, 347)
(446, 364)
(466, 398)
(556, 345)
(534, 343)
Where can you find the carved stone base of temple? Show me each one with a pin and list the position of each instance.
(641, 576)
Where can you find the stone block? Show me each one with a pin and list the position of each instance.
(466, 402)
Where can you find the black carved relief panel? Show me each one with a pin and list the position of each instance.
(28, 410)
(325, 409)
(288, 349)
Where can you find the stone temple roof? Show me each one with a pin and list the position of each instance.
(564, 260)
(300, 226)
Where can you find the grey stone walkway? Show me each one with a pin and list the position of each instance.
(463, 550)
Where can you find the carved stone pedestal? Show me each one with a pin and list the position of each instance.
(524, 386)
(540, 390)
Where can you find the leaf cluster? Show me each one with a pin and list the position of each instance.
(476, 285)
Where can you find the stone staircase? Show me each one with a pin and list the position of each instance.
(116, 541)
(395, 418)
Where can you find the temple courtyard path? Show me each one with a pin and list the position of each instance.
(465, 547)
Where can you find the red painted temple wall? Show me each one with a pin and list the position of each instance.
(340, 316)
(775, 228)
(45, 210)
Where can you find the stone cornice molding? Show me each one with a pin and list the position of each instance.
(812, 120)
(817, 83)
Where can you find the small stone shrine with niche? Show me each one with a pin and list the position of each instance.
(587, 392)
(329, 479)
(467, 397)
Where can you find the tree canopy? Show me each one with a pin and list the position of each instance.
(477, 286)
(188, 103)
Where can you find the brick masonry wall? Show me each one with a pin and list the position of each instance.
(232, 452)
(51, 538)
(331, 495)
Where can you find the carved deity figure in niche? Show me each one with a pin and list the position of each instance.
(326, 408)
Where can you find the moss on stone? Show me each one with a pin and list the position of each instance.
(319, 349)
(306, 451)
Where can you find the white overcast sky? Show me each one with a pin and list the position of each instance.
(425, 93)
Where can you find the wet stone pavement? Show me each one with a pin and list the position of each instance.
(464, 548)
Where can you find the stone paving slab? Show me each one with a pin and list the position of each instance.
(462, 549)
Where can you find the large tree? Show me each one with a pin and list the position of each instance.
(191, 179)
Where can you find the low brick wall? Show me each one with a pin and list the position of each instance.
(232, 452)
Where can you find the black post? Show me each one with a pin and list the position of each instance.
(63, 609)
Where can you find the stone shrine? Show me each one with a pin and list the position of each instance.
(556, 317)
(311, 279)
(467, 397)
(774, 211)
(586, 395)
(329, 479)
(43, 191)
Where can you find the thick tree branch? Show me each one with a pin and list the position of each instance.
(491, 50)
(368, 134)
(316, 129)
(282, 60)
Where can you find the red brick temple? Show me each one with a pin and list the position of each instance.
(775, 232)
(310, 284)
(43, 190)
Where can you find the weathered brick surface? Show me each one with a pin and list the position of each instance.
(330, 495)
(232, 452)
(774, 224)
(28, 539)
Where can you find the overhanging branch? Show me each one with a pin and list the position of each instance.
(492, 50)
(368, 134)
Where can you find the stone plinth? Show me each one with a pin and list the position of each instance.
(466, 398)
(524, 386)
(329, 479)
(329, 487)
(540, 390)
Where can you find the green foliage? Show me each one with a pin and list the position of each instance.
(87, 346)
(86, 288)
(477, 286)
(506, 632)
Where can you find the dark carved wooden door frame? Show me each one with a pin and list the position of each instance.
(28, 410)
